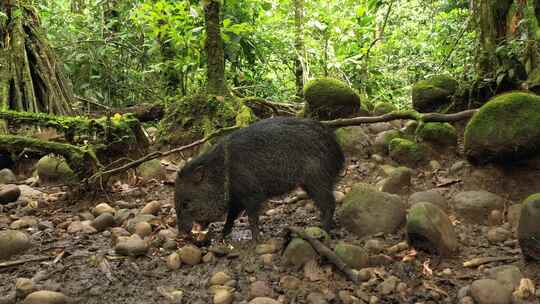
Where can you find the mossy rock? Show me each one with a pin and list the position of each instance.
(193, 117)
(328, 98)
(434, 94)
(54, 169)
(354, 256)
(443, 134)
(354, 141)
(152, 169)
(406, 151)
(529, 227)
(506, 128)
(383, 139)
(382, 108)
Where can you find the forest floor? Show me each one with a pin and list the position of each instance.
(84, 266)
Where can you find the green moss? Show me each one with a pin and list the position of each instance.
(439, 133)
(245, 116)
(382, 107)
(434, 93)
(531, 198)
(406, 151)
(329, 98)
(505, 128)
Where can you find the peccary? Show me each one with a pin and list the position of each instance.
(269, 158)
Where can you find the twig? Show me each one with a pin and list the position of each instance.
(480, 261)
(327, 253)
(24, 261)
(425, 117)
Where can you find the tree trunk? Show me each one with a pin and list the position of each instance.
(214, 49)
(299, 46)
(31, 79)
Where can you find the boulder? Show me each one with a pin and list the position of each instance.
(328, 98)
(475, 206)
(54, 169)
(433, 196)
(406, 152)
(434, 94)
(354, 256)
(383, 139)
(13, 242)
(438, 134)
(354, 141)
(7, 176)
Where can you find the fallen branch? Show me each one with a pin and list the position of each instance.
(24, 261)
(104, 175)
(327, 253)
(480, 261)
(425, 117)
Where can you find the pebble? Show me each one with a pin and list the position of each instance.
(466, 300)
(208, 258)
(173, 261)
(170, 245)
(143, 229)
(7, 176)
(488, 291)
(289, 282)
(132, 246)
(267, 259)
(46, 297)
(24, 222)
(167, 234)
(219, 278)
(364, 275)
(495, 218)
(339, 196)
(103, 221)
(9, 194)
(223, 296)
(151, 208)
(498, 235)
(191, 255)
(23, 287)
(103, 208)
(13, 242)
(388, 286)
(264, 300)
(84, 227)
(260, 289)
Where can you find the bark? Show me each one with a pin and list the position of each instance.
(31, 79)
(214, 49)
(299, 46)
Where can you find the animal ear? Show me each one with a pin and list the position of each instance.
(198, 174)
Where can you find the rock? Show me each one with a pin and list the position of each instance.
(498, 235)
(54, 169)
(267, 259)
(505, 128)
(354, 141)
(378, 127)
(458, 166)
(316, 298)
(354, 256)
(167, 234)
(514, 212)
(317, 233)
(328, 98)
(508, 275)
(466, 300)
(428, 227)
(398, 181)
(209, 258)
(374, 246)
(24, 222)
(435, 165)
(388, 286)
(121, 215)
(152, 169)
(103, 208)
(260, 289)
(383, 139)
(173, 261)
(464, 292)
(7, 176)
(495, 218)
(366, 211)
(103, 221)
(438, 134)
(289, 282)
(24, 286)
(118, 232)
(143, 229)
(364, 275)
(9, 194)
(263, 300)
(475, 206)
(339, 196)
(220, 278)
(191, 255)
(381, 108)
(406, 152)
(132, 223)
(298, 252)
(431, 196)
(434, 94)
(266, 248)
(529, 228)
(151, 208)
(84, 227)
(132, 246)
(30, 194)
(489, 291)
(223, 296)
(46, 297)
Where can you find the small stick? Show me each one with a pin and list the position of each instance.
(20, 262)
(327, 253)
(480, 261)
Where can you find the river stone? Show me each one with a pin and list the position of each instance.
(263, 300)
(9, 194)
(529, 228)
(354, 256)
(475, 206)
(131, 246)
(24, 222)
(489, 291)
(13, 242)
(103, 208)
(298, 252)
(54, 169)
(103, 221)
(366, 211)
(398, 181)
(354, 141)
(7, 176)
(46, 297)
(152, 169)
(508, 275)
(260, 289)
(433, 196)
(132, 223)
(428, 228)
(152, 207)
(191, 255)
(223, 296)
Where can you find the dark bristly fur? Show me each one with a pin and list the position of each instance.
(266, 159)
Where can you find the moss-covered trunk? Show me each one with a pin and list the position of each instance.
(31, 79)
(214, 49)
